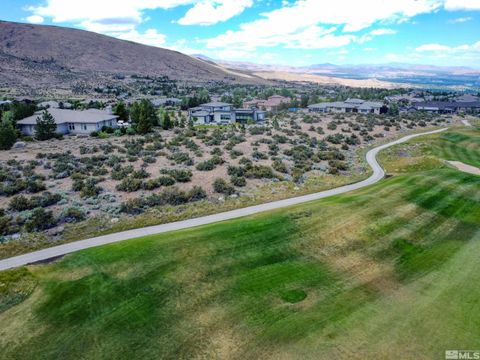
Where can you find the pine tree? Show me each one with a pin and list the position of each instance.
(8, 135)
(121, 111)
(144, 116)
(46, 127)
(167, 122)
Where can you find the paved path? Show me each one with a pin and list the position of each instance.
(60, 250)
(465, 167)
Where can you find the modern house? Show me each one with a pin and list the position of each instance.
(347, 106)
(447, 107)
(223, 113)
(71, 121)
(271, 104)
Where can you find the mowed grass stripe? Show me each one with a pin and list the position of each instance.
(357, 275)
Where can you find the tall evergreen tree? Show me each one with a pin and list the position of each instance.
(143, 116)
(46, 127)
(121, 111)
(8, 135)
(167, 121)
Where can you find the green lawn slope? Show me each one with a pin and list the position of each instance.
(390, 271)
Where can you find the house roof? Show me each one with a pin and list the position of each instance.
(370, 104)
(354, 101)
(448, 104)
(352, 104)
(201, 113)
(215, 104)
(61, 116)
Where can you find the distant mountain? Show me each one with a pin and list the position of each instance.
(385, 75)
(40, 56)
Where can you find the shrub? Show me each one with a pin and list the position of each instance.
(235, 171)
(259, 172)
(181, 157)
(22, 203)
(140, 174)
(40, 220)
(222, 187)
(210, 164)
(259, 155)
(129, 184)
(235, 153)
(205, 165)
(238, 181)
(257, 130)
(152, 184)
(7, 225)
(279, 166)
(90, 188)
(73, 214)
(196, 193)
(179, 175)
(35, 186)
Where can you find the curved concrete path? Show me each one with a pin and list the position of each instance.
(60, 250)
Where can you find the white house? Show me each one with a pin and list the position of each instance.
(349, 105)
(71, 121)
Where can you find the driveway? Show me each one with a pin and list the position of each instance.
(60, 250)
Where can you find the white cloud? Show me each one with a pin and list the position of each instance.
(460, 20)
(35, 19)
(310, 23)
(432, 47)
(465, 52)
(149, 37)
(209, 12)
(453, 5)
(111, 17)
(382, 31)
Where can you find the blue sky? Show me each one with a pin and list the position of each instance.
(289, 32)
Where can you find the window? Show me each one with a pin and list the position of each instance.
(84, 127)
(71, 126)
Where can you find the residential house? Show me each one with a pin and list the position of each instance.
(447, 107)
(71, 121)
(347, 106)
(271, 104)
(223, 113)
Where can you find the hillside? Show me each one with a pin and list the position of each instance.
(390, 269)
(42, 56)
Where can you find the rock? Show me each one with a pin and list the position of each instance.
(296, 188)
(234, 196)
(19, 145)
(114, 220)
(221, 199)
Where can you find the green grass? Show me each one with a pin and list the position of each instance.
(387, 271)
(461, 145)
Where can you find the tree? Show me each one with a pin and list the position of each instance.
(121, 111)
(22, 110)
(143, 116)
(46, 127)
(167, 122)
(8, 135)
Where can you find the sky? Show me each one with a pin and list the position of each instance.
(286, 32)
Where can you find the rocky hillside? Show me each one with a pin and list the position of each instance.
(42, 56)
